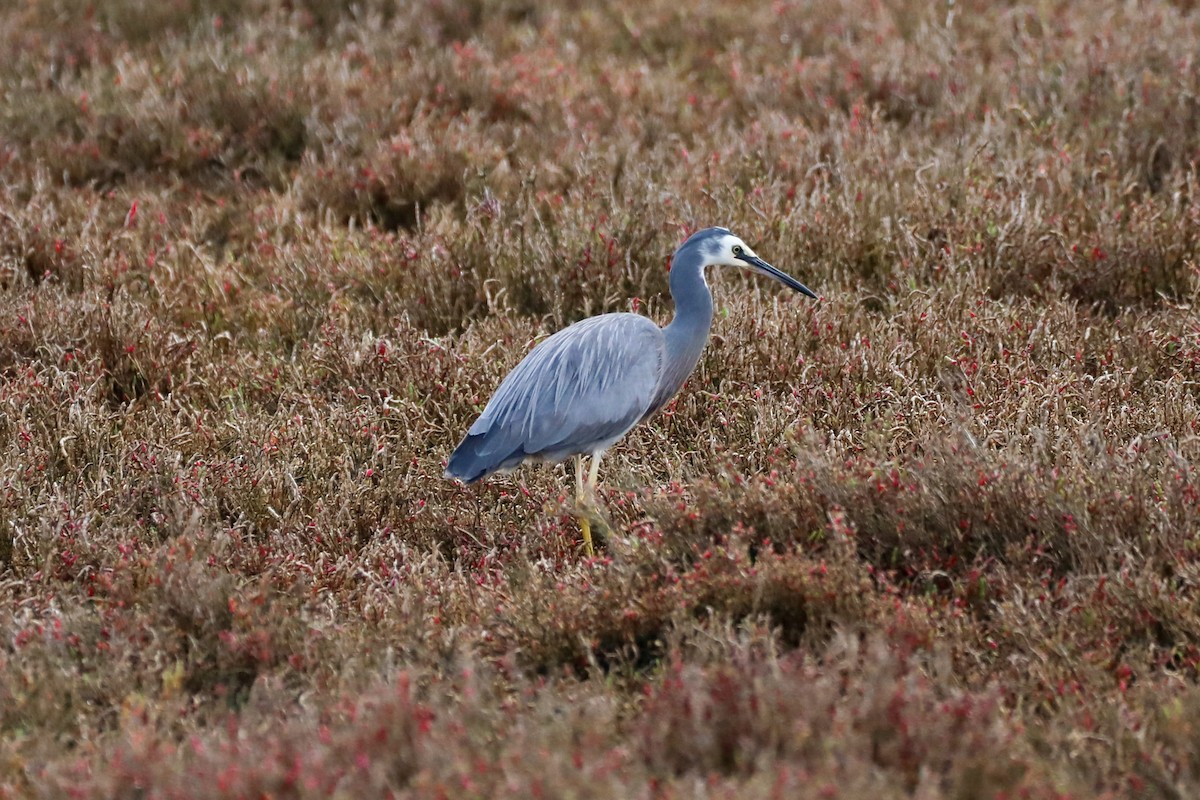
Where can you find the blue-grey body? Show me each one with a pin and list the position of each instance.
(582, 389)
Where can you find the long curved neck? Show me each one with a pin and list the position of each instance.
(688, 332)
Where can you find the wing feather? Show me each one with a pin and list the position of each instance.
(578, 391)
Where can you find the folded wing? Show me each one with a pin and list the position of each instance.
(578, 391)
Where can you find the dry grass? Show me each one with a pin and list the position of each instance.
(934, 536)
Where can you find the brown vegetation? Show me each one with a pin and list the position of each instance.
(934, 536)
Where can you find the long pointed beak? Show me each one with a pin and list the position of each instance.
(787, 280)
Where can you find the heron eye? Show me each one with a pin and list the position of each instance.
(737, 250)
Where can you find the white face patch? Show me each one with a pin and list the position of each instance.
(723, 253)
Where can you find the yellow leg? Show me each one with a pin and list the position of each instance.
(585, 526)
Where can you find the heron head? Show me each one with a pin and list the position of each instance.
(726, 249)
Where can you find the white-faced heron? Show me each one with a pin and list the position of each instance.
(582, 389)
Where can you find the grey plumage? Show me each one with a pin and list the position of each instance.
(576, 392)
(582, 389)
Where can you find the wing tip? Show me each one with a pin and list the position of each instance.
(470, 463)
(463, 468)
